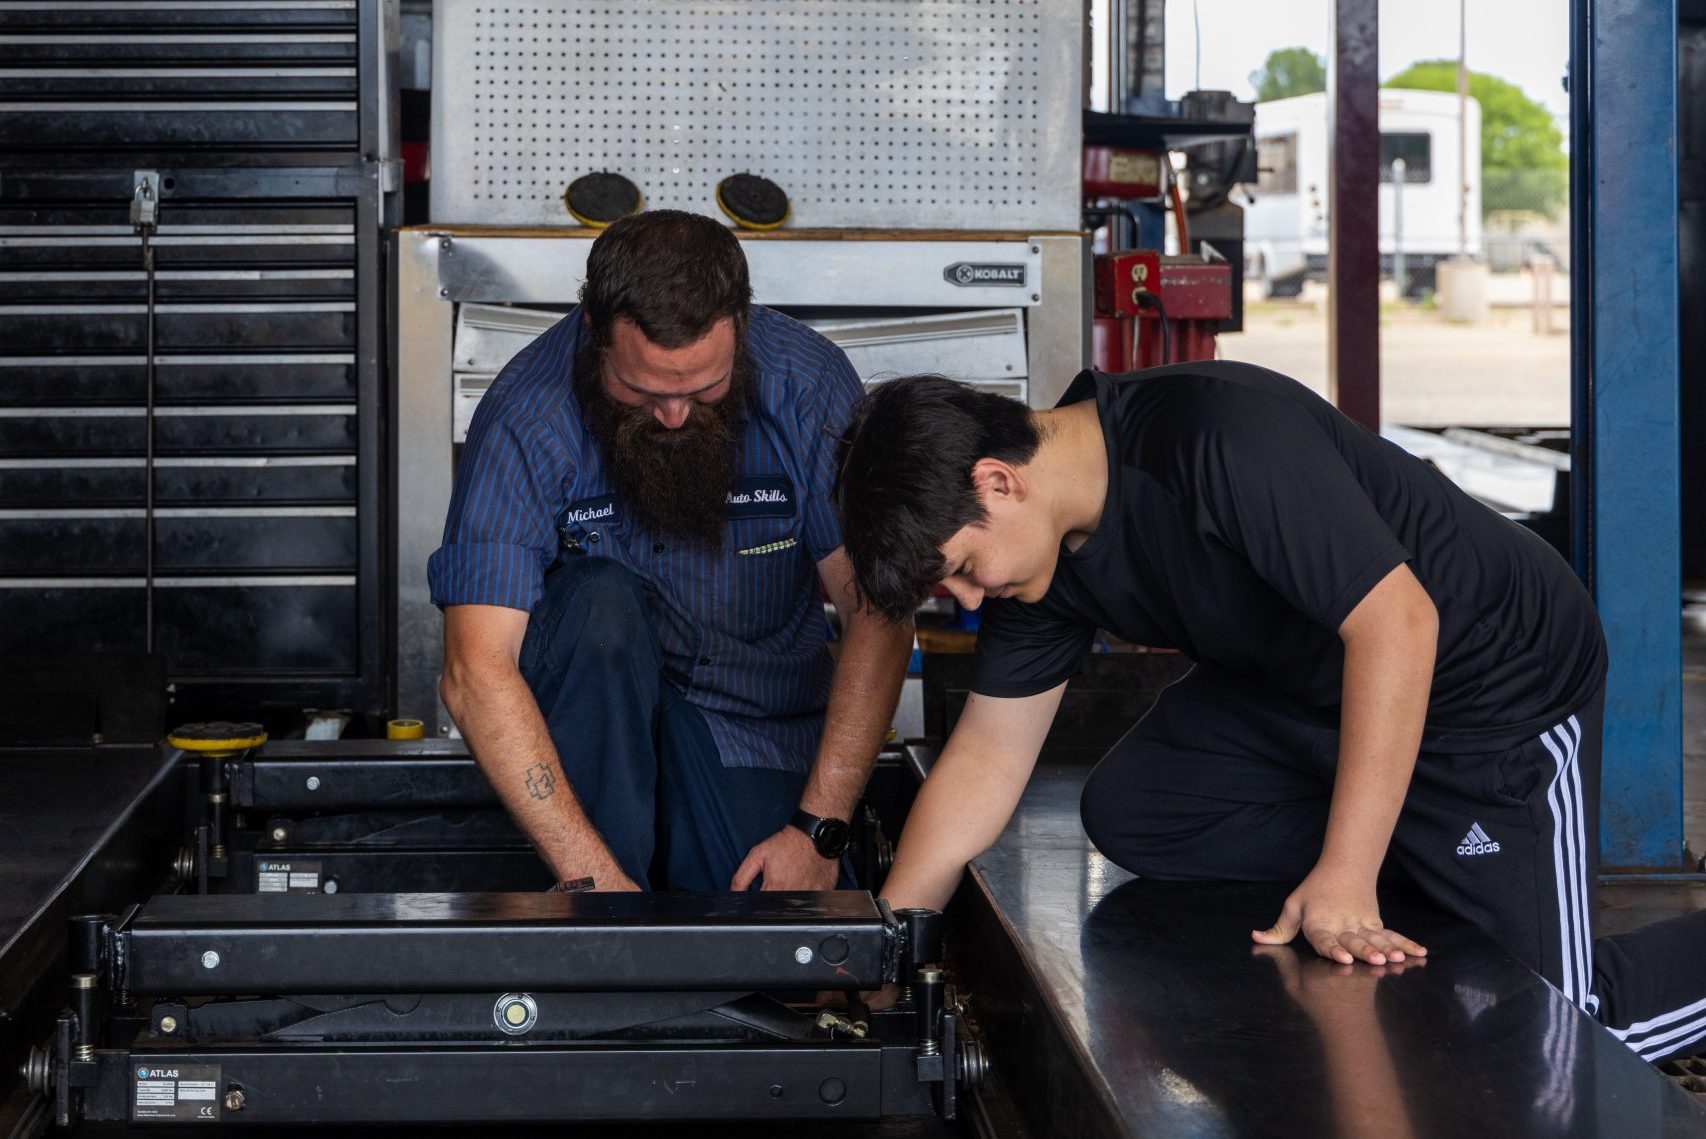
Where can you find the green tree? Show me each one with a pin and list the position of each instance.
(1523, 165)
(1289, 71)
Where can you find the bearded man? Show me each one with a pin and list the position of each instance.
(634, 640)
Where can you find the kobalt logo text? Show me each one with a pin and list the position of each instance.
(967, 274)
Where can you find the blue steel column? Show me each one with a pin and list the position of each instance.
(1625, 395)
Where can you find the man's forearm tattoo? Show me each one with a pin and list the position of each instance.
(540, 782)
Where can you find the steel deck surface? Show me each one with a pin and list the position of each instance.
(60, 810)
(1132, 1007)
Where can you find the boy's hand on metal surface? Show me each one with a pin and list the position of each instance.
(787, 860)
(1341, 920)
(1319, 985)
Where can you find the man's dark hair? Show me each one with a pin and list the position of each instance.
(905, 480)
(673, 274)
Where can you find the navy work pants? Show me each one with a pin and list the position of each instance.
(638, 755)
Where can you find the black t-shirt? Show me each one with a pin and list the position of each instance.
(1245, 519)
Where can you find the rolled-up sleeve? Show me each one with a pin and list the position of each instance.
(498, 538)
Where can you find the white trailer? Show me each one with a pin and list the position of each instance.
(1285, 224)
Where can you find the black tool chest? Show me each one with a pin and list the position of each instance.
(193, 195)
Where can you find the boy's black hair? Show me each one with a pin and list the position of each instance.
(674, 274)
(905, 486)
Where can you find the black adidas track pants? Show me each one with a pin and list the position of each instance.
(1220, 782)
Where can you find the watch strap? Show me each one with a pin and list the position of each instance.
(804, 820)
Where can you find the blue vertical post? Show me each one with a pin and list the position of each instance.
(1625, 394)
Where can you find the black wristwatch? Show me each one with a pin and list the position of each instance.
(828, 835)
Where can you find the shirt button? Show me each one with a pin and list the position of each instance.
(592, 537)
(704, 660)
(658, 548)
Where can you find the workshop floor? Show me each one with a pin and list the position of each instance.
(1626, 906)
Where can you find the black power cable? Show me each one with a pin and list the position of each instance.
(1150, 300)
(144, 219)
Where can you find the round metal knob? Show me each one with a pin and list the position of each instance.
(515, 1014)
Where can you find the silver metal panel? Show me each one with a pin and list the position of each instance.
(1058, 333)
(423, 472)
(471, 387)
(982, 345)
(926, 114)
(887, 274)
(972, 345)
(487, 336)
(1012, 389)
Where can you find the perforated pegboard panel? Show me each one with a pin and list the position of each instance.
(915, 114)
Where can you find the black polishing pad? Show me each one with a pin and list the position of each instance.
(753, 202)
(598, 199)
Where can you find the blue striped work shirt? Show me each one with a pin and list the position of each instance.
(742, 630)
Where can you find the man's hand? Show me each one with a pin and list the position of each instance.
(788, 861)
(1340, 917)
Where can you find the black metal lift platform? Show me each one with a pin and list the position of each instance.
(517, 1008)
(168, 986)
(379, 816)
(1105, 1006)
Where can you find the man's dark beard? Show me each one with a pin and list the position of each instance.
(675, 481)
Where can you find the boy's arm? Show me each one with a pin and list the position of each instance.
(969, 796)
(1390, 640)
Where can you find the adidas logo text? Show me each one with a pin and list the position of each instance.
(1477, 842)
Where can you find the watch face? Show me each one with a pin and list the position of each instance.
(832, 838)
